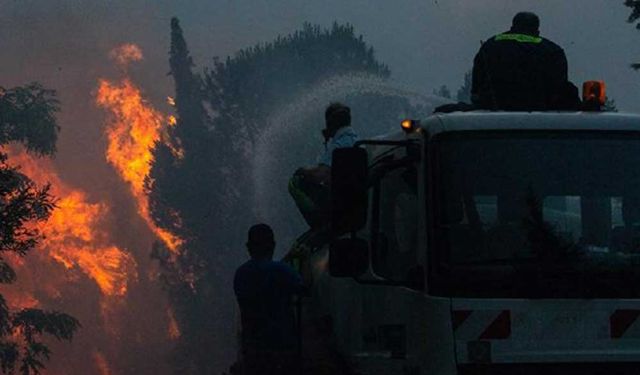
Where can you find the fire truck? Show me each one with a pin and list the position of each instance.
(487, 243)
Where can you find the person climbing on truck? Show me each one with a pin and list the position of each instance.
(338, 132)
(521, 71)
(309, 186)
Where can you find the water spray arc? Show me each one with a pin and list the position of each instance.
(273, 162)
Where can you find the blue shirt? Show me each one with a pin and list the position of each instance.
(345, 137)
(264, 289)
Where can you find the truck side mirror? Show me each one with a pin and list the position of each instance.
(349, 199)
(348, 257)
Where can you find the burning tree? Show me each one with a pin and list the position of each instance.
(27, 116)
(185, 189)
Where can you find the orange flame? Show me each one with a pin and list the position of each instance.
(173, 330)
(132, 131)
(74, 234)
(101, 363)
(20, 299)
(172, 120)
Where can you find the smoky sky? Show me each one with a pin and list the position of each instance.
(64, 44)
(427, 43)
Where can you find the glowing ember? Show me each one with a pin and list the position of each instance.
(132, 131)
(74, 234)
(19, 299)
(172, 120)
(101, 363)
(173, 330)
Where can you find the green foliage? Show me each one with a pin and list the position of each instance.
(21, 202)
(27, 116)
(610, 106)
(635, 11)
(185, 187)
(259, 78)
(31, 324)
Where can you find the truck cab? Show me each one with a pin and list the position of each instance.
(487, 243)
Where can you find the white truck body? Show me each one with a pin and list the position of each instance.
(496, 296)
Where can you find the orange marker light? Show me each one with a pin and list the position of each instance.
(407, 125)
(594, 91)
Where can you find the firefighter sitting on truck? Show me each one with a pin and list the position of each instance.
(309, 186)
(521, 71)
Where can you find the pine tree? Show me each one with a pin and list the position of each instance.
(27, 116)
(464, 92)
(443, 91)
(185, 191)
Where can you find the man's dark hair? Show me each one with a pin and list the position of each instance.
(337, 115)
(260, 240)
(526, 23)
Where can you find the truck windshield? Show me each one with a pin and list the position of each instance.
(538, 215)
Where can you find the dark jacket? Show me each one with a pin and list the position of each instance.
(264, 289)
(520, 72)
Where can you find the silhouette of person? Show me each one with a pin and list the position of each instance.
(264, 289)
(310, 185)
(338, 132)
(521, 71)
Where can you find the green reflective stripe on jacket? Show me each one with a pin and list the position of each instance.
(521, 38)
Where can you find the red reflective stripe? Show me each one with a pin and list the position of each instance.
(621, 320)
(459, 316)
(499, 329)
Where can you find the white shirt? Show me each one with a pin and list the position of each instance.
(345, 137)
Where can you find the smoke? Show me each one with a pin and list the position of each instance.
(65, 45)
(126, 54)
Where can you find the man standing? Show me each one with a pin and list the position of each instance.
(264, 291)
(521, 71)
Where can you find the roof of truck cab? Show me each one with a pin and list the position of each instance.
(485, 120)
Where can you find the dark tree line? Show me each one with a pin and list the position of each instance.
(633, 17)
(250, 84)
(27, 116)
(462, 95)
(635, 11)
(203, 194)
